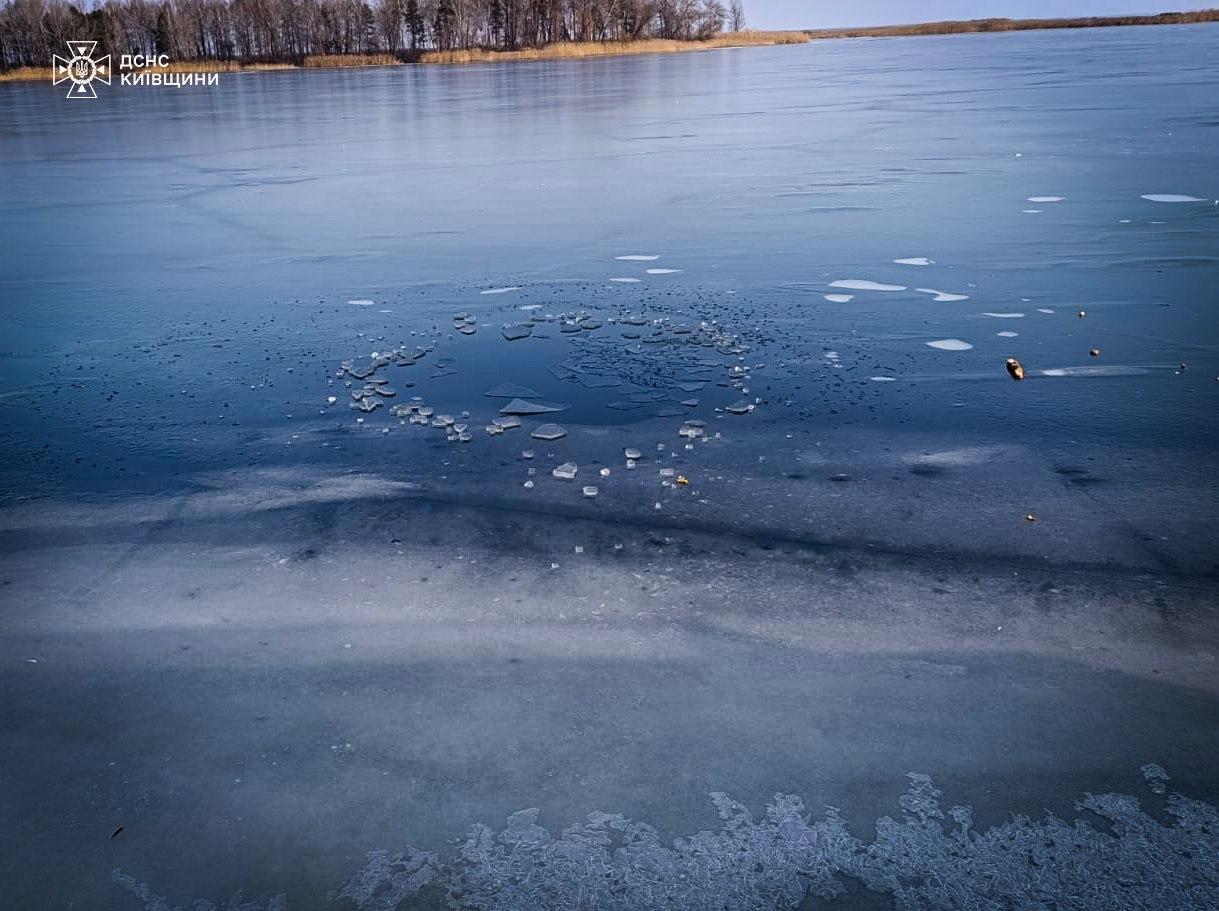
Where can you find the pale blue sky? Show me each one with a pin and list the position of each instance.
(822, 14)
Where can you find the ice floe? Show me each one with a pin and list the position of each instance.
(662, 271)
(859, 284)
(1040, 199)
(625, 280)
(1007, 333)
(883, 379)
(915, 261)
(638, 258)
(361, 303)
(1004, 315)
(839, 298)
(949, 344)
(504, 290)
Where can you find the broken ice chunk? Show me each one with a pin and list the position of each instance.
(510, 391)
(632, 453)
(521, 406)
(566, 471)
(548, 432)
(590, 490)
(518, 331)
(739, 407)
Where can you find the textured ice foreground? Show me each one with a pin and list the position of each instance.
(927, 859)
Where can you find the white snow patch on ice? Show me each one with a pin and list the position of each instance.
(626, 281)
(1171, 197)
(949, 344)
(943, 297)
(859, 284)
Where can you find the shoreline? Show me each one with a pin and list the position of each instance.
(584, 50)
(559, 51)
(1001, 24)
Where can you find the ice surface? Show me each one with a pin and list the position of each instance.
(501, 290)
(626, 280)
(950, 344)
(860, 284)
(361, 303)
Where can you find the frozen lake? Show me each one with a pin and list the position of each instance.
(277, 584)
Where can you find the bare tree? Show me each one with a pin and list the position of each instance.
(290, 30)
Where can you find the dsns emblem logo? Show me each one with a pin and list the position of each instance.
(81, 69)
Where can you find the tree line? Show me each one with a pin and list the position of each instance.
(288, 31)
